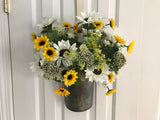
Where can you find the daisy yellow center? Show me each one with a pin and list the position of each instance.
(97, 71)
(83, 48)
(69, 77)
(41, 43)
(49, 52)
(63, 51)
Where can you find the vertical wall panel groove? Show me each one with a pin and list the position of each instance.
(6, 90)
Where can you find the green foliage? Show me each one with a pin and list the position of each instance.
(99, 58)
(88, 26)
(109, 50)
(117, 61)
(92, 41)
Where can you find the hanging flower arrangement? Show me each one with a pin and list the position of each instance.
(86, 50)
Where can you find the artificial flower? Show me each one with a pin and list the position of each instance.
(97, 75)
(106, 42)
(112, 23)
(70, 33)
(98, 24)
(110, 92)
(36, 65)
(62, 91)
(70, 77)
(130, 47)
(75, 27)
(88, 17)
(41, 42)
(83, 48)
(51, 71)
(63, 48)
(119, 39)
(49, 53)
(66, 25)
(46, 22)
(33, 36)
(110, 77)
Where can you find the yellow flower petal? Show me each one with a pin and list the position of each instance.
(98, 24)
(119, 39)
(66, 25)
(110, 77)
(131, 47)
(41, 42)
(75, 27)
(49, 53)
(112, 23)
(110, 92)
(70, 77)
(33, 36)
(62, 91)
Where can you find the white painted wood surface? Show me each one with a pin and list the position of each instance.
(34, 98)
(6, 101)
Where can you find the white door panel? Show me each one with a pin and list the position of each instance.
(34, 98)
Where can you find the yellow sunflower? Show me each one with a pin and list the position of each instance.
(66, 25)
(98, 24)
(75, 27)
(112, 23)
(110, 77)
(49, 53)
(41, 42)
(119, 39)
(70, 77)
(110, 92)
(33, 36)
(130, 47)
(62, 91)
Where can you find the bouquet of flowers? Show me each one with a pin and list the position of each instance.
(88, 50)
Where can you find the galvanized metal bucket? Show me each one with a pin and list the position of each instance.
(81, 96)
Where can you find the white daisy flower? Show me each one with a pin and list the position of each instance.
(106, 42)
(110, 34)
(83, 48)
(70, 34)
(36, 65)
(62, 48)
(88, 17)
(46, 21)
(97, 75)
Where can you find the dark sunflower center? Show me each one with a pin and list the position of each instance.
(69, 77)
(111, 24)
(97, 72)
(64, 72)
(86, 19)
(63, 51)
(49, 52)
(61, 90)
(66, 25)
(39, 62)
(109, 76)
(41, 43)
(97, 24)
(75, 27)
